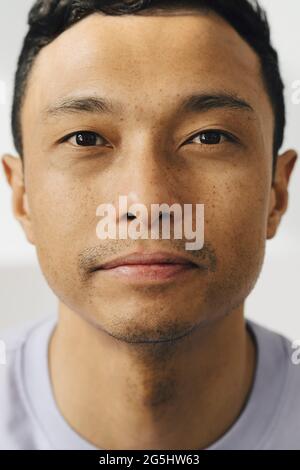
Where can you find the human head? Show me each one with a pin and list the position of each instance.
(145, 64)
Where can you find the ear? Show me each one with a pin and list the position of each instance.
(13, 169)
(279, 192)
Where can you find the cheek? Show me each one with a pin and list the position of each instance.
(236, 218)
(236, 201)
(64, 223)
(63, 206)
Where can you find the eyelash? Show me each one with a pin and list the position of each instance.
(69, 136)
(229, 137)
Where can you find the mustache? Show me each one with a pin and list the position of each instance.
(91, 257)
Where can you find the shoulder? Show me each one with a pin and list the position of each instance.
(278, 346)
(13, 339)
(16, 421)
(281, 372)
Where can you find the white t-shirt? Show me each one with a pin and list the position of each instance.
(30, 419)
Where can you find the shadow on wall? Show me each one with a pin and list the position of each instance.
(25, 295)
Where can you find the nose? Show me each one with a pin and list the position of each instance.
(147, 176)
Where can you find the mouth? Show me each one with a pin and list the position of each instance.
(148, 267)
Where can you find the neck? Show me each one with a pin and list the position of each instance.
(181, 395)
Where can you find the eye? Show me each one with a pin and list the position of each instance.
(84, 139)
(212, 137)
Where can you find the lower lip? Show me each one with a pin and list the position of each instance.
(149, 272)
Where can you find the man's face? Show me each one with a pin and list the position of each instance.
(148, 147)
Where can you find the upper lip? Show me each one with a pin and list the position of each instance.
(158, 257)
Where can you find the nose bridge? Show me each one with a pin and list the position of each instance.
(145, 180)
(147, 170)
(147, 161)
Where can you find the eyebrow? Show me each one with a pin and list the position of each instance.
(205, 102)
(88, 104)
(195, 103)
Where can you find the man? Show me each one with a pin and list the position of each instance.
(163, 102)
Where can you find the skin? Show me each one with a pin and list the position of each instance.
(150, 366)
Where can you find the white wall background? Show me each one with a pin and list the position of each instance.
(275, 301)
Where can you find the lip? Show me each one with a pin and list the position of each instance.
(153, 258)
(148, 267)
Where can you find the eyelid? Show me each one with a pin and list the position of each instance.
(228, 135)
(72, 134)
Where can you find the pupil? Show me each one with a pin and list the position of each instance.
(210, 138)
(86, 139)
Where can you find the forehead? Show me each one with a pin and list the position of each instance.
(142, 60)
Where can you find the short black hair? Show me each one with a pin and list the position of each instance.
(49, 18)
